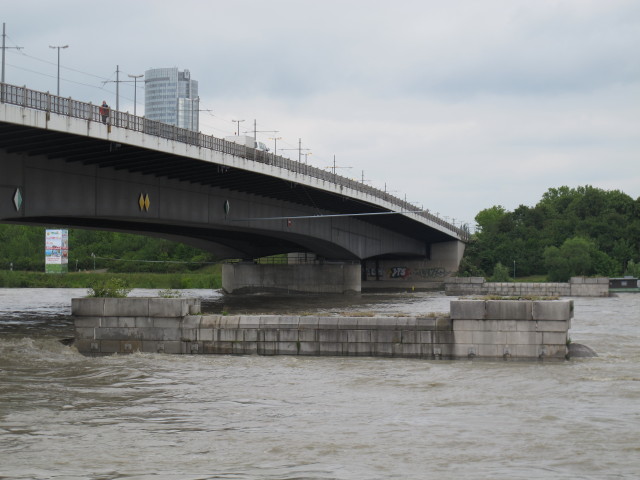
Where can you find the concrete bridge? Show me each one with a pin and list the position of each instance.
(60, 165)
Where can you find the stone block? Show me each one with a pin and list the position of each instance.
(464, 350)
(278, 321)
(86, 322)
(348, 323)
(238, 321)
(467, 309)
(307, 335)
(308, 323)
(83, 346)
(191, 321)
(509, 310)
(331, 349)
(552, 310)
(169, 334)
(87, 307)
(527, 326)
(425, 337)
(250, 334)
(381, 349)
(525, 351)
(426, 350)
(126, 307)
(171, 347)
(206, 335)
(287, 348)
(164, 322)
(327, 322)
(466, 325)
(406, 350)
(502, 325)
(109, 346)
(443, 337)
(127, 322)
(554, 325)
(245, 348)
(143, 322)
(229, 335)
(425, 323)
(117, 333)
(488, 338)
(409, 336)
(85, 333)
(444, 324)
(359, 336)
(288, 335)
(309, 348)
(268, 335)
(464, 337)
(406, 323)
(328, 336)
(168, 307)
(490, 351)
(386, 336)
(110, 322)
(220, 348)
(130, 346)
(188, 335)
(554, 338)
(267, 348)
(523, 338)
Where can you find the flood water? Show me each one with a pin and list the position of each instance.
(155, 416)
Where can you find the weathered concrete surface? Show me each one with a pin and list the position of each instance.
(296, 278)
(523, 330)
(576, 287)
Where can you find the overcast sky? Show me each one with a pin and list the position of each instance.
(458, 105)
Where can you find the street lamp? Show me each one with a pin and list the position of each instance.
(59, 47)
(238, 122)
(275, 144)
(135, 91)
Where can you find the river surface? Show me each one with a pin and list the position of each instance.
(155, 416)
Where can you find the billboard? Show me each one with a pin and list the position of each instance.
(56, 251)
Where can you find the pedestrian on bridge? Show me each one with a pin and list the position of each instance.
(104, 111)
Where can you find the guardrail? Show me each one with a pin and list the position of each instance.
(45, 101)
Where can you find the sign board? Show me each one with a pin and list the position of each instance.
(56, 251)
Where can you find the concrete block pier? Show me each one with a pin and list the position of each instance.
(475, 329)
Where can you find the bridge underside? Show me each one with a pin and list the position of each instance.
(86, 182)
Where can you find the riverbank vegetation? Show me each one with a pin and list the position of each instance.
(570, 231)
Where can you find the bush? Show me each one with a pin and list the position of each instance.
(111, 287)
(500, 273)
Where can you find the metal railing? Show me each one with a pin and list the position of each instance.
(45, 101)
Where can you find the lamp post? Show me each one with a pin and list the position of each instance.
(238, 122)
(275, 144)
(135, 91)
(59, 47)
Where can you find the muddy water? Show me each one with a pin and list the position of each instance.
(152, 416)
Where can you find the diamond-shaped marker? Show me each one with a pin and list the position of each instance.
(17, 199)
(146, 203)
(141, 201)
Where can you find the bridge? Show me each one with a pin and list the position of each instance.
(60, 165)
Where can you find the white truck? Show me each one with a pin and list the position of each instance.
(247, 141)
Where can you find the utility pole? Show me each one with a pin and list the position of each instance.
(4, 47)
(135, 91)
(58, 47)
(117, 82)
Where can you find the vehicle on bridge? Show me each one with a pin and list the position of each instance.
(247, 141)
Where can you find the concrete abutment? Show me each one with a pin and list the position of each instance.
(474, 329)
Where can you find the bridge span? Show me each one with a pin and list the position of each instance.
(60, 165)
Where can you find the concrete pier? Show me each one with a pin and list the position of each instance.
(576, 287)
(291, 278)
(475, 329)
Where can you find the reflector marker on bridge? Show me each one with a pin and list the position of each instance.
(323, 216)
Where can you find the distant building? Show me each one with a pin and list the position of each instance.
(170, 96)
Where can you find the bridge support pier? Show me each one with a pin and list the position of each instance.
(297, 278)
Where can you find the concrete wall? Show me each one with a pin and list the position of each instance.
(522, 330)
(576, 287)
(298, 278)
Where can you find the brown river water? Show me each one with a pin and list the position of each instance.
(154, 416)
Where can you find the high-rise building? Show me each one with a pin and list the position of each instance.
(170, 96)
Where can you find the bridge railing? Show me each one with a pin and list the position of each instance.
(45, 101)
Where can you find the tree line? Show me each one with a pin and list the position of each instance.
(570, 231)
(22, 248)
